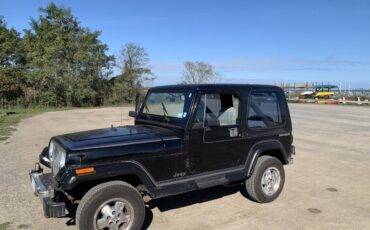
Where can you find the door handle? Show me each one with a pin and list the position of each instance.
(233, 132)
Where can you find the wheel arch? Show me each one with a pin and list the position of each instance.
(273, 148)
(130, 172)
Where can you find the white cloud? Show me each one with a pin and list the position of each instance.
(270, 64)
(271, 70)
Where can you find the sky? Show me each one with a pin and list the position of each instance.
(246, 41)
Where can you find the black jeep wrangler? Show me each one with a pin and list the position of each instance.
(185, 138)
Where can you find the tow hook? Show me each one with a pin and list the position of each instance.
(37, 168)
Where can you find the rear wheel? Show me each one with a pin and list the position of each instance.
(112, 205)
(267, 180)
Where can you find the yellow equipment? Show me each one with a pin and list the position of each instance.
(324, 91)
(324, 94)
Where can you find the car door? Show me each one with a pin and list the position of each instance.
(215, 137)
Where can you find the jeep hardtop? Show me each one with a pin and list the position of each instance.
(185, 138)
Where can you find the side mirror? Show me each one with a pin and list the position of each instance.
(132, 114)
(212, 122)
(137, 107)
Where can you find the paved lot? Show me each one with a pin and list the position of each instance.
(327, 187)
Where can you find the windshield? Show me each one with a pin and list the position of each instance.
(171, 107)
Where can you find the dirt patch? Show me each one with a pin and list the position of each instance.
(314, 210)
(332, 189)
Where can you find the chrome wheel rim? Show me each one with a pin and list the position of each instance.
(270, 181)
(114, 214)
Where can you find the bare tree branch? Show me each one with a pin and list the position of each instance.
(198, 73)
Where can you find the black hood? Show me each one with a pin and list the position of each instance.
(114, 137)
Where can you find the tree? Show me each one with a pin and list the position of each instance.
(198, 72)
(66, 63)
(135, 71)
(11, 62)
(58, 62)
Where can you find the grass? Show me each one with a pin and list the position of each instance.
(9, 118)
(8, 226)
(5, 226)
(23, 226)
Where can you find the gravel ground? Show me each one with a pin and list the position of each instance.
(327, 187)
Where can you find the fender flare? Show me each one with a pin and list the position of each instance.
(261, 147)
(70, 179)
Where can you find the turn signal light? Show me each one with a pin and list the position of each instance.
(84, 171)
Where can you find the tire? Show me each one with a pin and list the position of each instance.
(112, 203)
(256, 186)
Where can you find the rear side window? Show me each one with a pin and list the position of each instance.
(266, 110)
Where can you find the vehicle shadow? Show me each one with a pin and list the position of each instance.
(190, 198)
(176, 201)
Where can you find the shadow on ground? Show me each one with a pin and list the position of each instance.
(174, 202)
(188, 199)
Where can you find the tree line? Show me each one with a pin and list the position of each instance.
(58, 62)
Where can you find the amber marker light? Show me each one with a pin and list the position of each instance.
(85, 171)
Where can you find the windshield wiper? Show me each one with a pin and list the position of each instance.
(165, 112)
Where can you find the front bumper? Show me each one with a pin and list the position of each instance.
(44, 187)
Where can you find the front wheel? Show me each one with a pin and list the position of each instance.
(112, 205)
(267, 180)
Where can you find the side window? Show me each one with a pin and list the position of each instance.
(229, 108)
(218, 109)
(266, 109)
